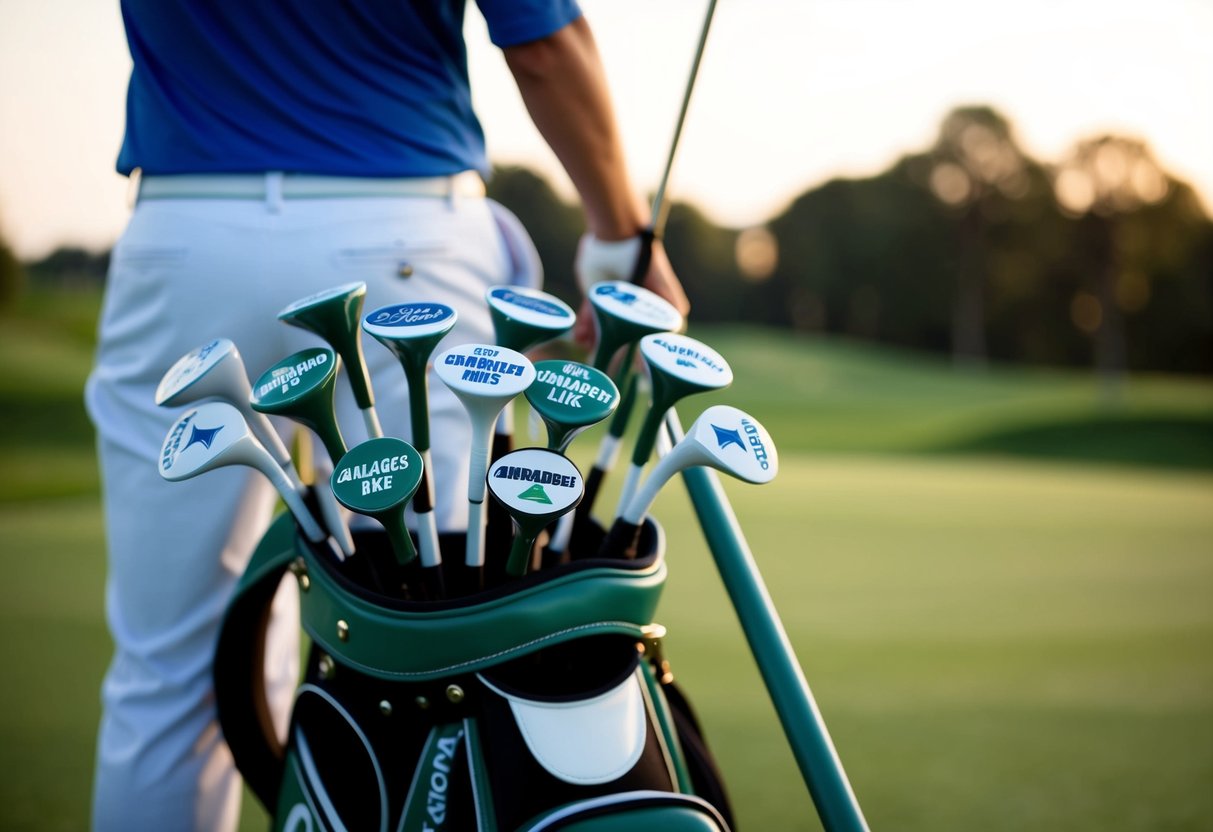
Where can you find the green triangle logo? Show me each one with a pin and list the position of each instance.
(535, 494)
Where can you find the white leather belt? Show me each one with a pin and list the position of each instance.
(272, 186)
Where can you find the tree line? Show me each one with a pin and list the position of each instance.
(968, 247)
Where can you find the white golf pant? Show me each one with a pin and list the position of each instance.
(186, 271)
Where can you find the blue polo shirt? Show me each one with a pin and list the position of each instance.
(349, 88)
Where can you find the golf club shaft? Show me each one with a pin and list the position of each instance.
(478, 466)
(660, 210)
(294, 501)
(631, 482)
(427, 528)
(644, 257)
(785, 682)
(419, 423)
(333, 519)
(423, 508)
(520, 554)
(263, 429)
(402, 543)
(371, 419)
(608, 448)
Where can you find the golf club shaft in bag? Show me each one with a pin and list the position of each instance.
(781, 673)
(789, 690)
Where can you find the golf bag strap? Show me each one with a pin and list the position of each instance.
(706, 780)
(239, 677)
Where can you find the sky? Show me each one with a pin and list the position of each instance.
(790, 94)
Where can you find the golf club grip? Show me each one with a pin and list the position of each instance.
(644, 256)
(427, 538)
(423, 499)
(503, 440)
(593, 482)
(423, 507)
(474, 553)
(419, 412)
(620, 541)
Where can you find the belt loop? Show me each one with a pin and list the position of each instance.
(273, 191)
(452, 193)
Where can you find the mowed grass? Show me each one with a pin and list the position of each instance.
(994, 646)
(835, 396)
(1000, 589)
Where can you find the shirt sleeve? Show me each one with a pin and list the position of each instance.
(511, 22)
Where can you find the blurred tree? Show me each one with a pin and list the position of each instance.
(978, 171)
(12, 276)
(704, 256)
(70, 267)
(862, 258)
(975, 247)
(1142, 240)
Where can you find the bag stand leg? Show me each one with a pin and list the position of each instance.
(781, 673)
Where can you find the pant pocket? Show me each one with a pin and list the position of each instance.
(526, 269)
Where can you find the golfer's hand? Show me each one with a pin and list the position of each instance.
(597, 261)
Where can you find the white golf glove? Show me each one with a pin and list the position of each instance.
(599, 260)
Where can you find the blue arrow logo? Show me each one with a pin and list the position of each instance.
(724, 438)
(202, 436)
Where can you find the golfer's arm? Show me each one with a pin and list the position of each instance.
(564, 87)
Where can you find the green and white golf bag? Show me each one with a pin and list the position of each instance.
(541, 704)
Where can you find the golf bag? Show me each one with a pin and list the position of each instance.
(543, 703)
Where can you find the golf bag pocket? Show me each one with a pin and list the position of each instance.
(585, 741)
(581, 720)
(478, 713)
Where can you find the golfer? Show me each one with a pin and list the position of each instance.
(281, 148)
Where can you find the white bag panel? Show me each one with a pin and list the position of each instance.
(587, 742)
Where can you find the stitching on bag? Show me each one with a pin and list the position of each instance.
(413, 674)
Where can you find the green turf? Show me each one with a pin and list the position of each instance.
(1000, 588)
(46, 441)
(994, 645)
(843, 397)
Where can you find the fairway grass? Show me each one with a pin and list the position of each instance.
(995, 645)
(831, 395)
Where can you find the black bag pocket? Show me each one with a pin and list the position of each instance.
(569, 723)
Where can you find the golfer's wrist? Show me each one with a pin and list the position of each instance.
(618, 218)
